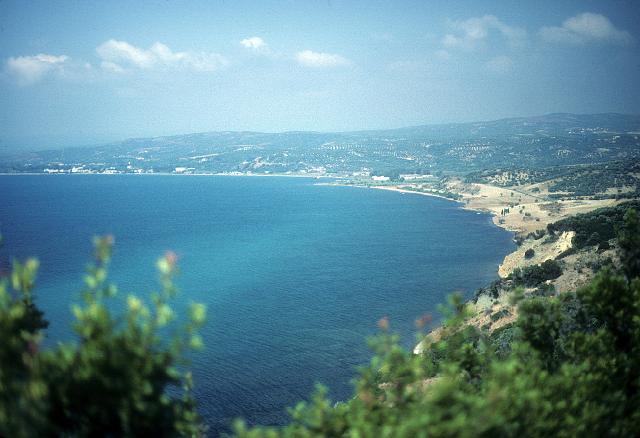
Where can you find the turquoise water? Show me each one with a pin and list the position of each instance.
(295, 275)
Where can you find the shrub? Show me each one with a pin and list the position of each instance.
(532, 276)
(114, 381)
(595, 227)
(604, 246)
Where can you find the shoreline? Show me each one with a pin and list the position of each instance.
(433, 195)
(479, 202)
(395, 189)
(414, 192)
(461, 204)
(284, 175)
(419, 346)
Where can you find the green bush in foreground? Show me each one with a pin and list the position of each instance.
(568, 366)
(113, 381)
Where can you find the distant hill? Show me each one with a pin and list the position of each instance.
(529, 142)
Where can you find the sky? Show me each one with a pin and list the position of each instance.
(79, 73)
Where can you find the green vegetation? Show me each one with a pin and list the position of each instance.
(515, 176)
(595, 180)
(568, 366)
(629, 240)
(114, 381)
(616, 179)
(594, 228)
(534, 275)
(548, 144)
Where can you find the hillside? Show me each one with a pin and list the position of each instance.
(530, 142)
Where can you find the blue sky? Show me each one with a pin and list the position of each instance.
(77, 73)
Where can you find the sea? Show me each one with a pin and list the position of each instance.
(295, 274)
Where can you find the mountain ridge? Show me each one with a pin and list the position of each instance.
(539, 141)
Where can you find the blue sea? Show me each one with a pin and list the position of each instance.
(295, 274)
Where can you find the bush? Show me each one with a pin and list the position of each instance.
(528, 254)
(604, 246)
(595, 227)
(502, 339)
(499, 315)
(532, 276)
(114, 381)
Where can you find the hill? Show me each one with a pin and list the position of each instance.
(529, 142)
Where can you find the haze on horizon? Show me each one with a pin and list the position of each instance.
(76, 73)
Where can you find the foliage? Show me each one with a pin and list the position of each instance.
(592, 180)
(115, 380)
(502, 339)
(534, 275)
(595, 180)
(596, 227)
(556, 144)
(629, 240)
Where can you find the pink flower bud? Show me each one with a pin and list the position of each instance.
(383, 323)
(172, 258)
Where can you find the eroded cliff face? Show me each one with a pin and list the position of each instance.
(543, 250)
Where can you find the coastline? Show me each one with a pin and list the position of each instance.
(414, 192)
(335, 329)
(479, 198)
(285, 175)
(436, 331)
(433, 195)
(399, 190)
(461, 204)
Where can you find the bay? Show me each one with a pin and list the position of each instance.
(294, 274)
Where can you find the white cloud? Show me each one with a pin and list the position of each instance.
(120, 51)
(500, 65)
(469, 34)
(111, 67)
(584, 28)
(309, 58)
(117, 56)
(254, 43)
(30, 69)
